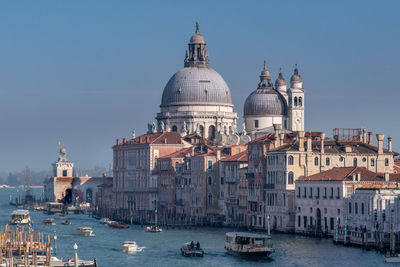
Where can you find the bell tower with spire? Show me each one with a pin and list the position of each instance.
(196, 55)
(296, 102)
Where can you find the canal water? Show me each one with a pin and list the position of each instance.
(163, 249)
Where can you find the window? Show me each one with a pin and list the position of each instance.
(209, 180)
(325, 194)
(328, 162)
(332, 226)
(174, 128)
(201, 130)
(295, 101)
(310, 210)
(356, 208)
(310, 192)
(305, 221)
(64, 173)
(299, 221)
(349, 207)
(222, 180)
(311, 220)
(256, 124)
(299, 191)
(290, 178)
(316, 161)
(300, 101)
(372, 162)
(331, 192)
(386, 162)
(355, 162)
(210, 199)
(362, 208)
(211, 132)
(338, 193)
(317, 196)
(210, 164)
(305, 192)
(364, 159)
(290, 160)
(338, 211)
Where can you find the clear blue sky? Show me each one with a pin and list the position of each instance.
(87, 72)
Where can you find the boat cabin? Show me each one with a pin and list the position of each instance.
(20, 217)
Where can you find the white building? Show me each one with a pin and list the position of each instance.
(320, 198)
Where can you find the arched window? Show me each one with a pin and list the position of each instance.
(356, 208)
(328, 162)
(201, 130)
(355, 162)
(210, 199)
(386, 162)
(209, 180)
(290, 160)
(300, 101)
(222, 180)
(316, 161)
(349, 207)
(362, 208)
(290, 178)
(295, 101)
(174, 128)
(211, 132)
(372, 162)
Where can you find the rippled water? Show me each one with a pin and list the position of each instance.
(162, 249)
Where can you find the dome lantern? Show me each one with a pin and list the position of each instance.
(196, 55)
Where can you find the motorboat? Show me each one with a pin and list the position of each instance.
(66, 222)
(84, 231)
(56, 262)
(49, 221)
(248, 244)
(104, 220)
(153, 229)
(119, 225)
(20, 217)
(192, 249)
(131, 246)
(393, 258)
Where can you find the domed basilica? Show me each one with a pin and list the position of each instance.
(197, 100)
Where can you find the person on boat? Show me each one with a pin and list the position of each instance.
(198, 245)
(192, 245)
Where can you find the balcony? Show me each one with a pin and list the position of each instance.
(269, 186)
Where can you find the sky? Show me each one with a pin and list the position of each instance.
(88, 72)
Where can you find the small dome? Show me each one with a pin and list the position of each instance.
(280, 81)
(265, 102)
(197, 39)
(296, 78)
(192, 85)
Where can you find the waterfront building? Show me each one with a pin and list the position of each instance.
(64, 187)
(321, 198)
(310, 154)
(134, 161)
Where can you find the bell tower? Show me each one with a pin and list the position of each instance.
(63, 167)
(296, 102)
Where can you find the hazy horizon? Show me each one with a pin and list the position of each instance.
(88, 72)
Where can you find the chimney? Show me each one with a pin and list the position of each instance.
(364, 136)
(124, 140)
(281, 138)
(218, 155)
(390, 144)
(354, 177)
(104, 177)
(358, 176)
(380, 137)
(322, 142)
(309, 144)
(117, 141)
(386, 176)
(370, 138)
(277, 128)
(192, 153)
(147, 139)
(301, 140)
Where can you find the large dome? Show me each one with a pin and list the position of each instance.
(196, 86)
(265, 102)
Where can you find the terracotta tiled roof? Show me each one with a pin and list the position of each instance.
(178, 154)
(346, 174)
(156, 138)
(240, 157)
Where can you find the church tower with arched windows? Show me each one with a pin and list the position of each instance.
(296, 102)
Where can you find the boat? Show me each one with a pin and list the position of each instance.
(20, 217)
(84, 231)
(104, 220)
(66, 222)
(119, 225)
(56, 262)
(131, 246)
(248, 244)
(394, 258)
(192, 249)
(49, 221)
(153, 229)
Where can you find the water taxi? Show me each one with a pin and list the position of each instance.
(131, 246)
(105, 220)
(59, 215)
(66, 222)
(84, 231)
(248, 244)
(49, 221)
(20, 217)
(119, 225)
(191, 249)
